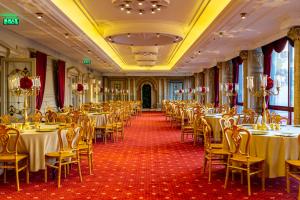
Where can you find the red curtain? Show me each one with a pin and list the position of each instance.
(61, 66)
(235, 70)
(41, 68)
(277, 46)
(216, 80)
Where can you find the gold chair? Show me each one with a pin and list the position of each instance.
(187, 127)
(7, 119)
(50, 116)
(10, 158)
(67, 154)
(198, 128)
(212, 156)
(250, 117)
(225, 122)
(278, 119)
(240, 159)
(37, 116)
(86, 143)
(106, 130)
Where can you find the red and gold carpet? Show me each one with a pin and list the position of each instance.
(150, 164)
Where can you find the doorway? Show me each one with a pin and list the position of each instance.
(146, 96)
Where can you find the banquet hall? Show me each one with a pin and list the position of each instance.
(150, 99)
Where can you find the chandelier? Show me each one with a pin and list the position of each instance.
(141, 6)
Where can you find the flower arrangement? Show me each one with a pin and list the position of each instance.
(25, 83)
(230, 86)
(270, 83)
(79, 87)
(203, 89)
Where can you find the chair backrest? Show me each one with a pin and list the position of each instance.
(238, 140)
(72, 136)
(9, 137)
(249, 116)
(278, 119)
(50, 116)
(207, 132)
(7, 119)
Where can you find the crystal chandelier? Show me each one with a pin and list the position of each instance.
(141, 6)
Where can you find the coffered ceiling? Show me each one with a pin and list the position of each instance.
(183, 38)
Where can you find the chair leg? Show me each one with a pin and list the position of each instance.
(4, 175)
(45, 174)
(205, 162)
(27, 171)
(79, 168)
(65, 171)
(287, 171)
(90, 162)
(209, 169)
(59, 174)
(227, 173)
(249, 180)
(263, 176)
(17, 176)
(242, 177)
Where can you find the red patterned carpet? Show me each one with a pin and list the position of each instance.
(150, 164)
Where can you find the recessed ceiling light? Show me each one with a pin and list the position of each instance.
(39, 15)
(109, 38)
(127, 4)
(140, 2)
(152, 11)
(128, 35)
(243, 15)
(141, 12)
(66, 35)
(122, 7)
(154, 4)
(128, 10)
(157, 35)
(158, 8)
(199, 52)
(89, 51)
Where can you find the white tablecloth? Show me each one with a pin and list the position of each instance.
(214, 121)
(275, 147)
(100, 118)
(37, 144)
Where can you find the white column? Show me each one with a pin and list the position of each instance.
(134, 90)
(128, 87)
(165, 89)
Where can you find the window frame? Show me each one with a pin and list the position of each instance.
(289, 108)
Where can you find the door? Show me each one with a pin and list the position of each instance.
(146, 96)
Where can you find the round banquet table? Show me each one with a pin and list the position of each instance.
(275, 147)
(36, 144)
(100, 118)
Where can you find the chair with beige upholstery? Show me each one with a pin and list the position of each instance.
(212, 156)
(9, 156)
(187, 127)
(8, 119)
(50, 116)
(67, 154)
(238, 140)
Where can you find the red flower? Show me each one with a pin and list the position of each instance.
(190, 90)
(180, 91)
(270, 83)
(25, 83)
(230, 86)
(203, 89)
(79, 87)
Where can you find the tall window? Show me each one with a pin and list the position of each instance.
(173, 86)
(283, 68)
(240, 91)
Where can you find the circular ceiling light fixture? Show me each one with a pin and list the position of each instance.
(141, 6)
(144, 39)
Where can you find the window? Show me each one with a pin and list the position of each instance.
(283, 68)
(240, 91)
(173, 86)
